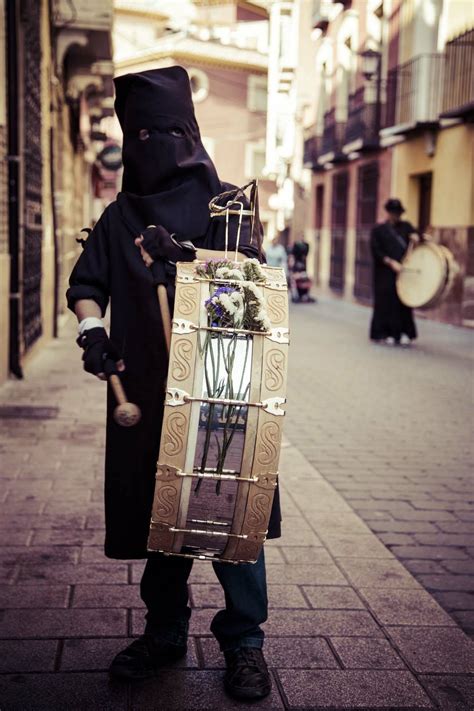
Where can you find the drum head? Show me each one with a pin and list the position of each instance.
(423, 277)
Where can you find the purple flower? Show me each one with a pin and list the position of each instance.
(224, 290)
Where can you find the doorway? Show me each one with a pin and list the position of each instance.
(425, 181)
(340, 186)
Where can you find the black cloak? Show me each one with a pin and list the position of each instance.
(168, 180)
(390, 317)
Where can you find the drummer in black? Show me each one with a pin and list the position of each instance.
(392, 321)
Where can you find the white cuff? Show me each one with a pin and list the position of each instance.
(90, 322)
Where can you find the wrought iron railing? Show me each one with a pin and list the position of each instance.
(363, 120)
(458, 89)
(333, 134)
(311, 151)
(414, 91)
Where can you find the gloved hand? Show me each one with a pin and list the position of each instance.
(157, 243)
(98, 348)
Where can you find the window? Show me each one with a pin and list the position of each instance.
(424, 200)
(254, 159)
(257, 93)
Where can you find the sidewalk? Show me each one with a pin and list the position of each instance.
(349, 627)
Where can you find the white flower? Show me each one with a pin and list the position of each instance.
(257, 293)
(226, 273)
(238, 300)
(252, 270)
(225, 301)
(262, 317)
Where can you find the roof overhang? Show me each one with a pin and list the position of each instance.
(192, 50)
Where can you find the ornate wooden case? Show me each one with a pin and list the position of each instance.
(220, 443)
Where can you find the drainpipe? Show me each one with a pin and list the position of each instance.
(55, 233)
(52, 163)
(13, 186)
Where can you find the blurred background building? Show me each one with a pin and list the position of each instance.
(224, 47)
(333, 106)
(55, 90)
(394, 118)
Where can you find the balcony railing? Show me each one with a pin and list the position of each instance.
(311, 152)
(458, 93)
(414, 92)
(333, 138)
(363, 122)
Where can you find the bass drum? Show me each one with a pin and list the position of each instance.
(427, 276)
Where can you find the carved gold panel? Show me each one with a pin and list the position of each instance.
(201, 510)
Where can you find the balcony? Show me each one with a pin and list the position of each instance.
(83, 15)
(323, 11)
(414, 94)
(332, 140)
(458, 90)
(363, 124)
(311, 152)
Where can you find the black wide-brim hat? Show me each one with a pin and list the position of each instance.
(394, 205)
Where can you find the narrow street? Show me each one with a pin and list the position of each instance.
(392, 430)
(349, 626)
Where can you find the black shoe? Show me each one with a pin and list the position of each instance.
(247, 675)
(144, 656)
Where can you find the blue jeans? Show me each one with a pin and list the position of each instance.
(164, 590)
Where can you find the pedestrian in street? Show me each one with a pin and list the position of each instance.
(276, 255)
(168, 181)
(392, 321)
(301, 282)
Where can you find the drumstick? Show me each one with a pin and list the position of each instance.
(160, 281)
(159, 278)
(126, 414)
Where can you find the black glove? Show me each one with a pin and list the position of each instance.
(161, 245)
(98, 348)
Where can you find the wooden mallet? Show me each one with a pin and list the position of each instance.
(160, 279)
(126, 414)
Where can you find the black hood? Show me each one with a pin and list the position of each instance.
(168, 176)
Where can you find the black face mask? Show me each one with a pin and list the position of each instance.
(168, 176)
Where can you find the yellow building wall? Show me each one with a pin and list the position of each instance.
(452, 166)
(458, 17)
(452, 206)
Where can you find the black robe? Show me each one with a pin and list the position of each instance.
(390, 317)
(111, 268)
(168, 180)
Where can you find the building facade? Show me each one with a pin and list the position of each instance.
(224, 48)
(291, 97)
(56, 89)
(393, 118)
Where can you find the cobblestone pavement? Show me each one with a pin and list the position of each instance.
(392, 430)
(349, 626)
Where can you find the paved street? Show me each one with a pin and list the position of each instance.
(392, 430)
(374, 435)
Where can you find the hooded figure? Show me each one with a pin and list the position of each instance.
(168, 177)
(168, 180)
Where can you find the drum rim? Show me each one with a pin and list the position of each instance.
(444, 258)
